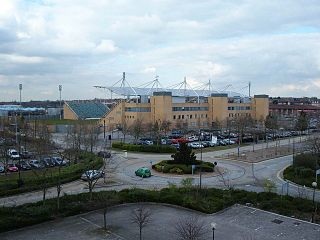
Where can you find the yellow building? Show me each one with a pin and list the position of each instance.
(185, 112)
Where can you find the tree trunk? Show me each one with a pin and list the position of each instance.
(105, 218)
(44, 190)
(140, 233)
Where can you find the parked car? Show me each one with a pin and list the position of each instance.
(47, 162)
(92, 175)
(13, 154)
(143, 172)
(176, 145)
(36, 164)
(26, 155)
(221, 142)
(58, 161)
(11, 167)
(148, 142)
(104, 154)
(2, 169)
(24, 166)
(196, 145)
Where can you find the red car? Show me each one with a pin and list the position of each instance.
(180, 140)
(12, 168)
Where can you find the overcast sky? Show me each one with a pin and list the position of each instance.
(275, 44)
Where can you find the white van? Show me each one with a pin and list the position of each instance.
(13, 154)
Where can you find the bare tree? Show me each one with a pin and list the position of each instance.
(141, 217)
(165, 127)
(190, 228)
(224, 178)
(90, 136)
(136, 129)
(91, 182)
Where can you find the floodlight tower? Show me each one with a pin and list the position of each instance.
(20, 90)
(60, 90)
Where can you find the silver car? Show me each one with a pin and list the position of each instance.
(92, 175)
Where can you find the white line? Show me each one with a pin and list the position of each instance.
(86, 220)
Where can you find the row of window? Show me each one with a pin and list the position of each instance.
(129, 116)
(138, 109)
(190, 116)
(176, 109)
(239, 114)
(205, 124)
(239, 108)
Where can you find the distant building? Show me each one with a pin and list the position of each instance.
(11, 110)
(292, 107)
(189, 112)
(84, 110)
(287, 110)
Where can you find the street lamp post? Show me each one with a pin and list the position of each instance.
(60, 89)
(314, 185)
(200, 159)
(213, 227)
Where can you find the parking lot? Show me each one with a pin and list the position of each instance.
(236, 223)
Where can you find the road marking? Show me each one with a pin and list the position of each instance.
(88, 221)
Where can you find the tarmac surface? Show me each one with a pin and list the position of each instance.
(235, 223)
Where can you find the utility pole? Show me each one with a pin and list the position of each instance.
(60, 90)
(249, 89)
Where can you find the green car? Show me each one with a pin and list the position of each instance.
(143, 172)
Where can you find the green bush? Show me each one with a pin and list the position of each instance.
(144, 148)
(176, 170)
(167, 165)
(306, 160)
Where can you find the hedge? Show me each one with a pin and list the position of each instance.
(306, 160)
(9, 184)
(167, 166)
(144, 148)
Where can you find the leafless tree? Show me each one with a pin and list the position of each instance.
(125, 128)
(141, 216)
(190, 228)
(137, 129)
(224, 178)
(91, 183)
(90, 136)
(165, 127)
(43, 146)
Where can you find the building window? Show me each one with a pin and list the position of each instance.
(174, 116)
(175, 109)
(182, 116)
(138, 109)
(195, 116)
(190, 116)
(179, 116)
(193, 124)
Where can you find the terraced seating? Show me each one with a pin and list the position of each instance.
(85, 110)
